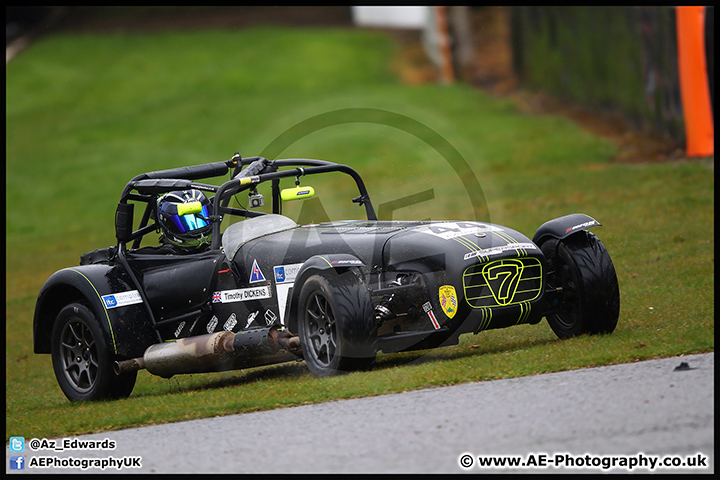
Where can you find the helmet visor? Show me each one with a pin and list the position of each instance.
(191, 221)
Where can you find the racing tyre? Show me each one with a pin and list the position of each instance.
(336, 324)
(81, 359)
(581, 266)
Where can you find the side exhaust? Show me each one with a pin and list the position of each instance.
(215, 352)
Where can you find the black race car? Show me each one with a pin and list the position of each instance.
(231, 287)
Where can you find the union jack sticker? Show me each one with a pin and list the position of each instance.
(217, 297)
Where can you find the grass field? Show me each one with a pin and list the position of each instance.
(85, 113)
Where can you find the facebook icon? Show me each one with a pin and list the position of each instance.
(17, 462)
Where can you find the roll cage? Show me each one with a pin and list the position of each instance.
(247, 174)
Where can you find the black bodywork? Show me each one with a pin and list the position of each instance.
(429, 281)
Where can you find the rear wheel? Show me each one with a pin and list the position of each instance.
(581, 267)
(336, 324)
(81, 359)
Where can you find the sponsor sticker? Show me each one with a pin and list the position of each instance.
(251, 318)
(256, 275)
(582, 225)
(121, 299)
(498, 250)
(230, 323)
(212, 324)
(178, 330)
(242, 294)
(346, 262)
(285, 276)
(427, 307)
(270, 317)
(286, 273)
(448, 300)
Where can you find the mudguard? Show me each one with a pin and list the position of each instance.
(562, 227)
(338, 262)
(109, 293)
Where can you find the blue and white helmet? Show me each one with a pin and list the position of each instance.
(184, 218)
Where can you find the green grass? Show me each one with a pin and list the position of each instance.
(85, 113)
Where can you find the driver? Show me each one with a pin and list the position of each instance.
(184, 220)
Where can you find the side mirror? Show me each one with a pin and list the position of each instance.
(297, 193)
(124, 221)
(189, 208)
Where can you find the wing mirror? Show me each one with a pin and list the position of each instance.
(189, 208)
(297, 193)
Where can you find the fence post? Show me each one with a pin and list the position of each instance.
(447, 74)
(694, 89)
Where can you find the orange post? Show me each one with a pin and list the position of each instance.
(694, 89)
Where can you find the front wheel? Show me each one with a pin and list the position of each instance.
(581, 268)
(336, 324)
(81, 359)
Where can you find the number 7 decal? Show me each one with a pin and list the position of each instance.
(502, 278)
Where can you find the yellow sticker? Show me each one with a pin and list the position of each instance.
(448, 300)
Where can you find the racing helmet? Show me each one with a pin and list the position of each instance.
(184, 218)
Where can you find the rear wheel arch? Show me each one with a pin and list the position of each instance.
(49, 305)
(87, 285)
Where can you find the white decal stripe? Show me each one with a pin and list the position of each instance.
(433, 320)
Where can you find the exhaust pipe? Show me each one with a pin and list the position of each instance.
(212, 352)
